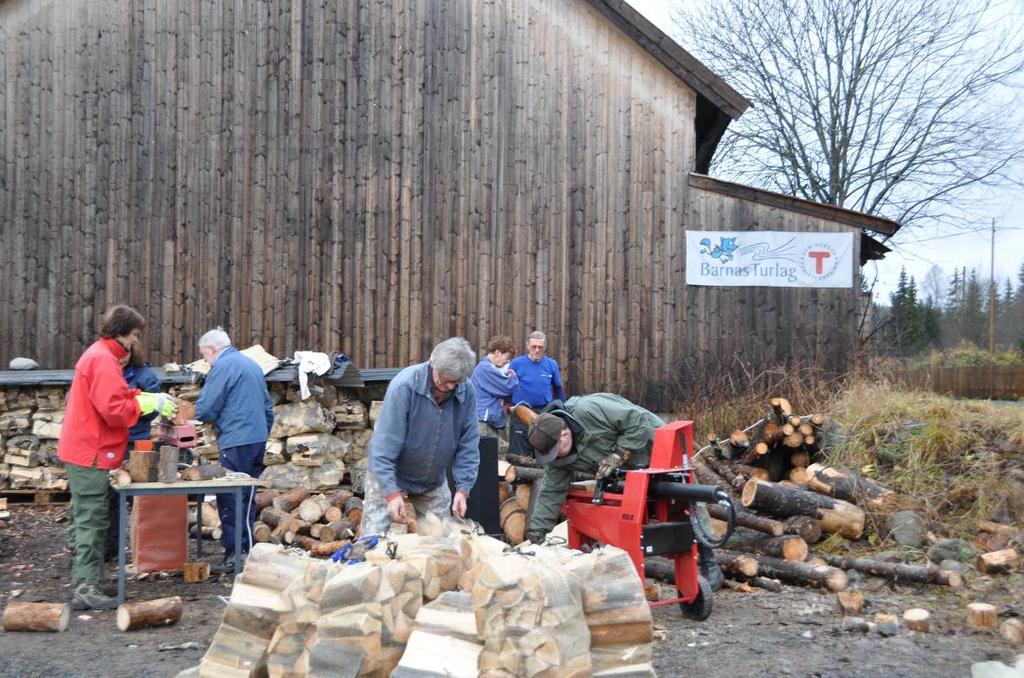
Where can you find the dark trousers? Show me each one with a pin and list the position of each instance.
(517, 442)
(246, 459)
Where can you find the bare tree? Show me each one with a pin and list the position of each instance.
(892, 107)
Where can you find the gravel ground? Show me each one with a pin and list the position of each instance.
(796, 632)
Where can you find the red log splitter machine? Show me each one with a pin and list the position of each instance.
(652, 511)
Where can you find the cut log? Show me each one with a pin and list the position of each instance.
(999, 562)
(917, 619)
(328, 548)
(748, 520)
(739, 440)
(1013, 630)
(771, 433)
(197, 572)
(142, 466)
(793, 440)
(925, 574)
(209, 515)
(312, 509)
(831, 578)
(850, 603)
(353, 509)
(343, 528)
(262, 499)
(524, 474)
(205, 472)
(513, 521)
(524, 414)
(848, 486)
(296, 527)
(982, 616)
(786, 547)
(303, 541)
(290, 500)
(816, 560)
(766, 583)
(806, 429)
(333, 513)
(338, 497)
(522, 496)
(522, 460)
(167, 464)
(273, 517)
(708, 477)
(795, 421)
(723, 468)
(782, 409)
(836, 516)
(36, 617)
(118, 477)
(736, 564)
(801, 459)
(799, 476)
(159, 612)
(805, 527)
(261, 531)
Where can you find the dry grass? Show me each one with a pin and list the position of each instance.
(955, 461)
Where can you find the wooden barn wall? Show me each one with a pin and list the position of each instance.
(747, 330)
(364, 176)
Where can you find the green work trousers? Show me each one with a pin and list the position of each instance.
(90, 520)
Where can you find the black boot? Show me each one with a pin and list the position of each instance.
(708, 567)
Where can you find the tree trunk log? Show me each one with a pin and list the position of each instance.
(261, 531)
(206, 472)
(782, 409)
(343, 528)
(197, 572)
(925, 574)
(788, 547)
(708, 477)
(1013, 630)
(850, 602)
(291, 499)
(836, 515)
(524, 474)
(805, 527)
(748, 520)
(141, 466)
(831, 578)
(262, 499)
(848, 486)
(167, 465)
(328, 548)
(726, 470)
(917, 619)
(312, 508)
(522, 460)
(36, 616)
(998, 562)
(736, 564)
(159, 612)
(513, 521)
(982, 616)
(273, 517)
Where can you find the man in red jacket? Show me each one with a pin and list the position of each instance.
(100, 410)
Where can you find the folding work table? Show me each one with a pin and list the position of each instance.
(237, 487)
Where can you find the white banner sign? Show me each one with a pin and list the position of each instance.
(769, 259)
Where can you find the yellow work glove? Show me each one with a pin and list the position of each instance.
(156, 402)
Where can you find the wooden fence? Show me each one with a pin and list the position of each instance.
(998, 382)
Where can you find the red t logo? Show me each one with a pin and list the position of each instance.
(819, 260)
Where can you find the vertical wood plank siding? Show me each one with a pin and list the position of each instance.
(370, 177)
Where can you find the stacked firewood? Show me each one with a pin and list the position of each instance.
(321, 523)
(786, 499)
(30, 425)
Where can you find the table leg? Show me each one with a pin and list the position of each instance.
(121, 516)
(199, 527)
(238, 529)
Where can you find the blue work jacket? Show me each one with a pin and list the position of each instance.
(235, 399)
(416, 440)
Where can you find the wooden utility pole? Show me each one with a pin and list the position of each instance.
(992, 295)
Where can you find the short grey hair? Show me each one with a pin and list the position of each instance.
(216, 339)
(454, 358)
(537, 334)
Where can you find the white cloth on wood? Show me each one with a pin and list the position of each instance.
(310, 361)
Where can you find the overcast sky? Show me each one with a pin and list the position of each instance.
(919, 250)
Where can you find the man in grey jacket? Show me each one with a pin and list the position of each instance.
(427, 423)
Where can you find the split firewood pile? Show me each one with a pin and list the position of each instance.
(787, 499)
(448, 603)
(30, 424)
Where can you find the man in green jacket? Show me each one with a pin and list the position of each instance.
(592, 435)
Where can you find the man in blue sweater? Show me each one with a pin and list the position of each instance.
(427, 423)
(235, 399)
(540, 382)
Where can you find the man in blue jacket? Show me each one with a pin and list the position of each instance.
(235, 399)
(540, 382)
(427, 423)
